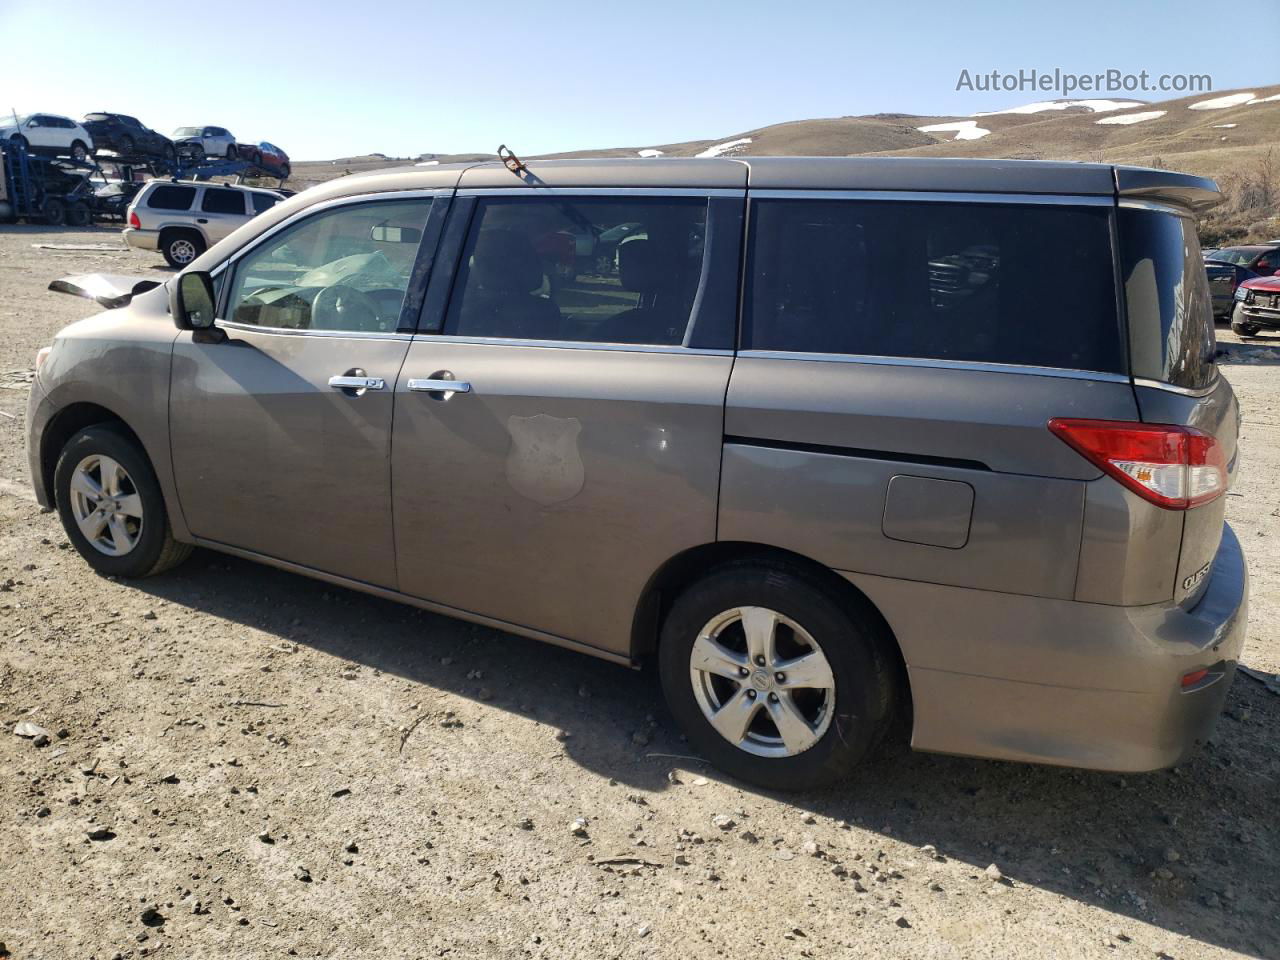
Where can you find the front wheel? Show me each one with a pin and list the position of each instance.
(231, 152)
(79, 214)
(55, 212)
(773, 678)
(111, 507)
(79, 152)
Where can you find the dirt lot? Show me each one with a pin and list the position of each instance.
(275, 767)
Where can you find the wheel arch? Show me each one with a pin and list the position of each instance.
(65, 424)
(685, 568)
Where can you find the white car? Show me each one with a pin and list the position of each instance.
(202, 142)
(50, 134)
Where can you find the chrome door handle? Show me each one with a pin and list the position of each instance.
(439, 386)
(357, 383)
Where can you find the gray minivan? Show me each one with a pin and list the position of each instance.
(822, 437)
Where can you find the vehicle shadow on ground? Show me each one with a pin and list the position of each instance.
(1158, 847)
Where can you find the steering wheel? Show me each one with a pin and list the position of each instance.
(341, 307)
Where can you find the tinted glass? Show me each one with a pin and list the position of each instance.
(1018, 284)
(222, 201)
(609, 270)
(171, 198)
(263, 201)
(328, 272)
(1241, 256)
(1167, 294)
(97, 116)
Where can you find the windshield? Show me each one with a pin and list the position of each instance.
(187, 132)
(1237, 255)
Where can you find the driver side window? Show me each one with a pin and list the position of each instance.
(345, 269)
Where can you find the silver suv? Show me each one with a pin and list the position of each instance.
(819, 436)
(182, 219)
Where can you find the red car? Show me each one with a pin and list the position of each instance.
(267, 156)
(1257, 306)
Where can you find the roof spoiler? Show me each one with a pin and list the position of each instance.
(1197, 194)
(110, 290)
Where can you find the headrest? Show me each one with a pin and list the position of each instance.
(504, 261)
(638, 265)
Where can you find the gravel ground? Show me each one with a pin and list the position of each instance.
(247, 763)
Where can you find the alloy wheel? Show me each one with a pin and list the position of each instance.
(762, 682)
(106, 505)
(182, 251)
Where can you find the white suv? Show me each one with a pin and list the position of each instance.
(182, 219)
(201, 142)
(49, 133)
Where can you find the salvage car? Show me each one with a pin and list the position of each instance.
(267, 157)
(1224, 280)
(49, 134)
(197, 143)
(127, 137)
(827, 489)
(1257, 306)
(1261, 258)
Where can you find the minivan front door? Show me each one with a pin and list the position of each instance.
(281, 433)
(560, 439)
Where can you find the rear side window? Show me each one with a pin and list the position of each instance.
(1167, 295)
(171, 198)
(222, 201)
(1026, 284)
(263, 201)
(585, 269)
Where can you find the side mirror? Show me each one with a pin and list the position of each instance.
(191, 301)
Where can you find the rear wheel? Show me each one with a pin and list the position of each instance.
(21, 141)
(231, 152)
(773, 678)
(79, 215)
(180, 247)
(127, 146)
(111, 507)
(79, 152)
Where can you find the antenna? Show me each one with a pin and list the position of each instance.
(510, 160)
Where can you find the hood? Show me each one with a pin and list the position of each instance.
(1270, 284)
(110, 290)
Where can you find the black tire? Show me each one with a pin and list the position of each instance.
(54, 212)
(180, 247)
(79, 215)
(853, 641)
(79, 151)
(285, 171)
(127, 146)
(1245, 329)
(19, 140)
(155, 550)
(232, 153)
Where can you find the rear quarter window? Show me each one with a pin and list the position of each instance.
(171, 198)
(1024, 284)
(1167, 297)
(218, 200)
(263, 201)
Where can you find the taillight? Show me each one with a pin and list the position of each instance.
(134, 221)
(1172, 466)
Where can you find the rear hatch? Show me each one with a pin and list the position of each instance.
(1172, 356)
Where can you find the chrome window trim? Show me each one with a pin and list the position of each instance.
(302, 214)
(1132, 203)
(535, 190)
(1181, 391)
(575, 345)
(1053, 199)
(927, 362)
(320, 206)
(287, 332)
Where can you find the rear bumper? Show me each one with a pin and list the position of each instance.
(1067, 683)
(142, 239)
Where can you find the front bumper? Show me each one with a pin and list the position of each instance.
(1255, 313)
(1067, 683)
(142, 239)
(40, 411)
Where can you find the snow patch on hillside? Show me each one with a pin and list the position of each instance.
(1271, 99)
(1226, 126)
(1133, 117)
(1221, 103)
(1096, 106)
(964, 129)
(722, 149)
(650, 153)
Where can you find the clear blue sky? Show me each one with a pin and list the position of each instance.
(401, 77)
